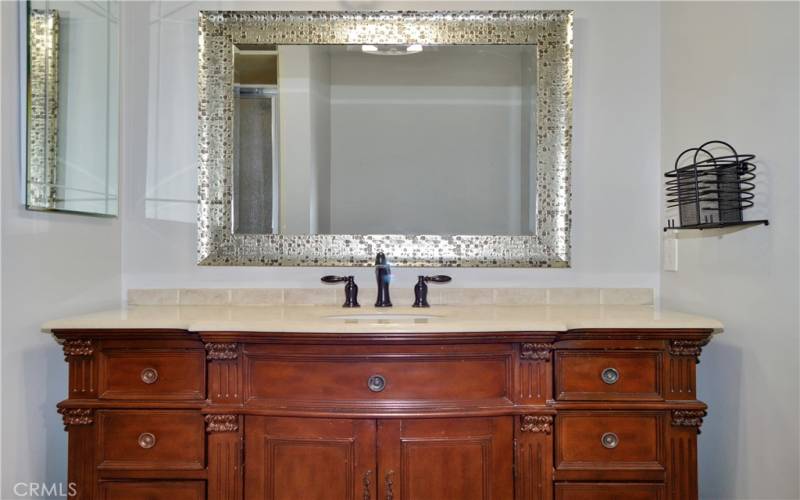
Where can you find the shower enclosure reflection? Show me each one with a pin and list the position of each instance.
(255, 145)
(365, 139)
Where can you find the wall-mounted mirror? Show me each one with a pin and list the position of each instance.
(439, 138)
(72, 106)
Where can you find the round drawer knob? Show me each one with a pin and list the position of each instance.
(149, 375)
(147, 440)
(376, 383)
(610, 376)
(609, 440)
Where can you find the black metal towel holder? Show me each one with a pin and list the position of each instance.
(713, 190)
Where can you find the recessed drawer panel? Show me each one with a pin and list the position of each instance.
(606, 440)
(153, 374)
(604, 375)
(609, 491)
(152, 490)
(423, 375)
(151, 439)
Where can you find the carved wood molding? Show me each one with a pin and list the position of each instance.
(690, 348)
(537, 423)
(536, 352)
(76, 416)
(688, 418)
(77, 347)
(367, 484)
(222, 423)
(217, 352)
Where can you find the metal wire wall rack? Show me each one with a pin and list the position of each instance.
(713, 189)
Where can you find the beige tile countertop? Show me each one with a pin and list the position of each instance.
(332, 319)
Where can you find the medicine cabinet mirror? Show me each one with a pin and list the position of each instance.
(72, 106)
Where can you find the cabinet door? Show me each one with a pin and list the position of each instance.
(446, 459)
(309, 458)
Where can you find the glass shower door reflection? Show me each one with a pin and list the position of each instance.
(255, 185)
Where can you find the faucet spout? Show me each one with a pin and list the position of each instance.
(383, 273)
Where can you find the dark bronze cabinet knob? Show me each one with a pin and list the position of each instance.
(149, 375)
(609, 440)
(376, 383)
(147, 440)
(610, 376)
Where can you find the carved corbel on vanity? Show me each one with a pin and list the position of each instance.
(536, 352)
(684, 355)
(688, 418)
(689, 348)
(537, 423)
(76, 416)
(535, 373)
(80, 354)
(222, 423)
(225, 383)
(77, 347)
(222, 351)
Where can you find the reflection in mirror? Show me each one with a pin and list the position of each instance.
(72, 106)
(378, 139)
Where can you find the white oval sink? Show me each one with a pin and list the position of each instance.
(373, 317)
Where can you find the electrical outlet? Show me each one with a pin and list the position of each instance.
(670, 254)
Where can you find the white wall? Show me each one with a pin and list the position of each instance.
(53, 265)
(741, 85)
(305, 138)
(298, 145)
(428, 143)
(616, 150)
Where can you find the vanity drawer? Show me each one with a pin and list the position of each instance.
(152, 490)
(378, 375)
(151, 439)
(153, 374)
(609, 491)
(608, 375)
(619, 445)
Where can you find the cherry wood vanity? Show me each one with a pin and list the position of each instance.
(581, 415)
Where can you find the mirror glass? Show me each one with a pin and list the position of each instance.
(72, 106)
(380, 139)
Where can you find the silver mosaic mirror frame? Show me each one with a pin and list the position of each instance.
(551, 31)
(42, 152)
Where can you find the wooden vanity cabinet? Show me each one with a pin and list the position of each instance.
(577, 415)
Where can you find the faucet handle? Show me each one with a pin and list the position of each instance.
(350, 288)
(329, 278)
(421, 288)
